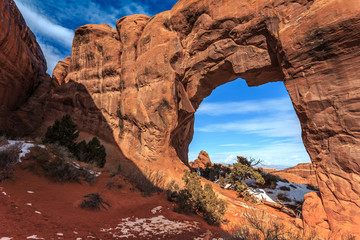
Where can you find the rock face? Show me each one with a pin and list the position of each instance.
(314, 214)
(303, 173)
(22, 63)
(140, 85)
(202, 161)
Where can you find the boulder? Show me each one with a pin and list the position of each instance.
(202, 161)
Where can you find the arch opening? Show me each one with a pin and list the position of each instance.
(260, 122)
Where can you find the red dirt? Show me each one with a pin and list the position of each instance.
(60, 213)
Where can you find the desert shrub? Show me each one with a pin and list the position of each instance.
(214, 172)
(222, 182)
(9, 157)
(173, 191)
(91, 152)
(58, 163)
(94, 202)
(260, 226)
(110, 185)
(284, 188)
(64, 132)
(271, 180)
(242, 170)
(312, 187)
(283, 197)
(200, 199)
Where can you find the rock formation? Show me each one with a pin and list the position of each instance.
(202, 161)
(303, 173)
(140, 85)
(22, 63)
(314, 214)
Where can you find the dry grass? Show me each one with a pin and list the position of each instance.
(9, 158)
(259, 225)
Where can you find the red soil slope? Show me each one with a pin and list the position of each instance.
(54, 212)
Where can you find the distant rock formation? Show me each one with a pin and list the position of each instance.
(303, 173)
(139, 86)
(202, 161)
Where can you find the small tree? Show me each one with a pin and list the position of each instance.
(242, 170)
(91, 152)
(63, 132)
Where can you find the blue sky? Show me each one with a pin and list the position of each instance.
(234, 120)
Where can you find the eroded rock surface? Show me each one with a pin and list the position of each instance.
(22, 63)
(303, 173)
(202, 161)
(140, 85)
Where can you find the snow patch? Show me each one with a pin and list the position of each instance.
(295, 194)
(31, 192)
(149, 227)
(6, 238)
(156, 209)
(34, 237)
(29, 204)
(37, 212)
(3, 193)
(25, 147)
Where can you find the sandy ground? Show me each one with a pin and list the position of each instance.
(33, 207)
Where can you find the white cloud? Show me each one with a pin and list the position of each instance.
(286, 153)
(52, 55)
(277, 125)
(41, 25)
(245, 107)
(234, 145)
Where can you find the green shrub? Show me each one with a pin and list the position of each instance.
(271, 180)
(242, 170)
(214, 172)
(91, 152)
(94, 202)
(63, 132)
(200, 199)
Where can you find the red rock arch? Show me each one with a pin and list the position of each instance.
(168, 64)
(148, 77)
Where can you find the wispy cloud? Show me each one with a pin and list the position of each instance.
(52, 54)
(278, 125)
(246, 107)
(41, 25)
(286, 153)
(234, 145)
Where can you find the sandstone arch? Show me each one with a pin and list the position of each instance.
(149, 75)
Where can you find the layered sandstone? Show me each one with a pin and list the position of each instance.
(303, 173)
(139, 86)
(202, 161)
(22, 63)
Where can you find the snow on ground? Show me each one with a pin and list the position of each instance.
(156, 209)
(24, 147)
(294, 192)
(149, 227)
(31, 192)
(5, 238)
(34, 237)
